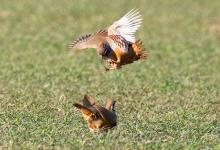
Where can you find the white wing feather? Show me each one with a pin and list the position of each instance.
(127, 25)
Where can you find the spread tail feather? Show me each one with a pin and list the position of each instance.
(139, 49)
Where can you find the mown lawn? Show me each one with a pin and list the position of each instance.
(170, 101)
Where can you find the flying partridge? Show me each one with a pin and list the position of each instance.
(117, 45)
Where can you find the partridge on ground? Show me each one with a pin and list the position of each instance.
(97, 117)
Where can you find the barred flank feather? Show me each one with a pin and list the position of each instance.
(139, 49)
(119, 40)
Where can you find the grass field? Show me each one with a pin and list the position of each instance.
(170, 101)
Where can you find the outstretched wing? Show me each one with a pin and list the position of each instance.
(107, 115)
(88, 101)
(127, 25)
(86, 111)
(89, 40)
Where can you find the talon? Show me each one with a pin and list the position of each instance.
(115, 62)
(111, 68)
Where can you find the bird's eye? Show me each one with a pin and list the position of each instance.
(94, 116)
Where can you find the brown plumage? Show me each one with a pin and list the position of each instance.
(117, 45)
(97, 117)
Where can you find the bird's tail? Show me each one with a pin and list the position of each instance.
(139, 49)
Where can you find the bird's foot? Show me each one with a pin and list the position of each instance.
(112, 68)
(109, 68)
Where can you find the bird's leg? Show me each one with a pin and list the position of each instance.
(118, 61)
(118, 55)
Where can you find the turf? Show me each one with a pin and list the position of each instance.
(170, 101)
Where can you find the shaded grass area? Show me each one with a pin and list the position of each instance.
(170, 101)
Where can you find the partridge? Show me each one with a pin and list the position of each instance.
(117, 44)
(98, 118)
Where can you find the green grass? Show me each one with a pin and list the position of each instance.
(170, 101)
